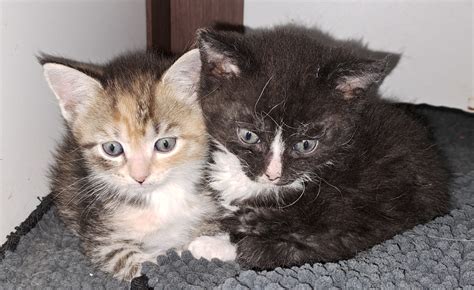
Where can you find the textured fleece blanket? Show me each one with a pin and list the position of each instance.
(44, 254)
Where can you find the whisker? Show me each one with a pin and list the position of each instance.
(294, 202)
(261, 94)
(350, 139)
(268, 113)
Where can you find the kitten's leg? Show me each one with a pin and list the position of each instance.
(122, 260)
(267, 239)
(261, 252)
(217, 246)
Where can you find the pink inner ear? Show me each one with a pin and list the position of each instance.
(350, 86)
(229, 68)
(65, 89)
(225, 69)
(183, 76)
(221, 65)
(70, 86)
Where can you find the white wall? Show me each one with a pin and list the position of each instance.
(435, 37)
(30, 122)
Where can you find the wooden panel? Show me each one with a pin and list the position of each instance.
(189, 15)
(158, 24)
(172, 24)
(149, 36)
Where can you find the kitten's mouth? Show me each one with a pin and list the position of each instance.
(146, 190)
(282, 183)
(143, 187)
(277, 182)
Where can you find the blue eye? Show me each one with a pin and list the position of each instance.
(305, 146)
(165, 144)
(248, 137)
(112, 148)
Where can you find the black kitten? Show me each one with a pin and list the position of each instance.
(311, 164)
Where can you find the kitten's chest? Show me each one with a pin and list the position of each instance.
(137, 221)
(169, 221)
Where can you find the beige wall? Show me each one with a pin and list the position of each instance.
(30, 122)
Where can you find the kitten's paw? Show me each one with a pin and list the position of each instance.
(129, 271)
(126, 264)
(249, 221)
(208, 247)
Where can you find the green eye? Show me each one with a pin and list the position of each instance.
(112, 148)
(305, 146)
(165, 144)
(248, 137)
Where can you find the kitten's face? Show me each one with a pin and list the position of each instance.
(278, 138)
(140, 139)
(138, 128)
(282, 105)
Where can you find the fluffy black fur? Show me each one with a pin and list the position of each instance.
(375, 172)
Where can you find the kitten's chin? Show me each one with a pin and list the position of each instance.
(265, 181)
(142, 188)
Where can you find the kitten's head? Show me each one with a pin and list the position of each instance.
(135, 120)
(281, 102)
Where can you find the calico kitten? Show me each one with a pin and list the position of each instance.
(126, 175)
(310, 163)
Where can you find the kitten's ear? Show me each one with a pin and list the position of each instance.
(220, 53)
(353, 79)
(183, 76)
(73, 88)
(391, 59)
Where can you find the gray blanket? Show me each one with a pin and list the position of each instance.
(437, 254)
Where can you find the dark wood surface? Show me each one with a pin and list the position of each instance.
(172, 24)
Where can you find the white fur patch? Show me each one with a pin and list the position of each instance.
(228, 178)
(174, 210)
(274, 169)
(209, 247)
(169, 220)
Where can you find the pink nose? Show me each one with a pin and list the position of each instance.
(139, 169)
(273, 172)
(140, 179)
(272, 177)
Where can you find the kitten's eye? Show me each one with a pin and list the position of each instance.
(112, 148)
(248, 137)
(165, 144)
(305, 146)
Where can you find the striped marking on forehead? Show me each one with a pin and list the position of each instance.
(135, 98)
(134, 114)
(143, 113)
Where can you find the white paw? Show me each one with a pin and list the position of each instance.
(208, 247)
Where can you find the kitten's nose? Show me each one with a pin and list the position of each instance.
(139, 179)
(274, 169)
(139, 170)
(272, 178)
